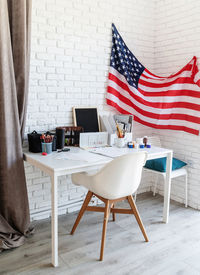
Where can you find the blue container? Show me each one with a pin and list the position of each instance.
(47, 147)
(130, 144)
(141, 146)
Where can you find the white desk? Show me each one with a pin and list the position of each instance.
(56, 164)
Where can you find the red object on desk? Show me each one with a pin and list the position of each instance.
(44, 153)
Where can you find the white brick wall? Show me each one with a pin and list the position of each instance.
(177, 40)
(69, 65)
(71, 43)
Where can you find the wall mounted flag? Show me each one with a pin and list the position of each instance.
(171, 102)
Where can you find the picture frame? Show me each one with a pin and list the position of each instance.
(86, 117)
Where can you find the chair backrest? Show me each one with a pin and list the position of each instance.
(154, 140)
(121, 177)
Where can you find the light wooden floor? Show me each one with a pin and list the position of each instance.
(174, 248)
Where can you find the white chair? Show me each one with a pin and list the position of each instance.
(115, 182)
(155, 141)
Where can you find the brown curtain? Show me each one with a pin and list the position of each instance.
(15, 16)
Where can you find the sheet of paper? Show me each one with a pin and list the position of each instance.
(111, 152)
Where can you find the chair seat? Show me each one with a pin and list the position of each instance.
(89, 183)
(161, 163)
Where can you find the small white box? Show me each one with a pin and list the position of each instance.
(93, 139)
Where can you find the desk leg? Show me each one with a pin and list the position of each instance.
(167, 188)
(54, 220)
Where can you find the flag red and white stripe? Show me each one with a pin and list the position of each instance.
(159, 102)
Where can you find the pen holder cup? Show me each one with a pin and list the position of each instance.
(47, 147)
(120, 142)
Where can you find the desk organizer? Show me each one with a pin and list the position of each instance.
(112, 138)
(72, 134)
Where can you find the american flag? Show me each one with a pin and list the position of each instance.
(171, 102)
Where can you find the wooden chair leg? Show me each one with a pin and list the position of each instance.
(83, 208)
(113, 214)
(137, 216)
(106, 216)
